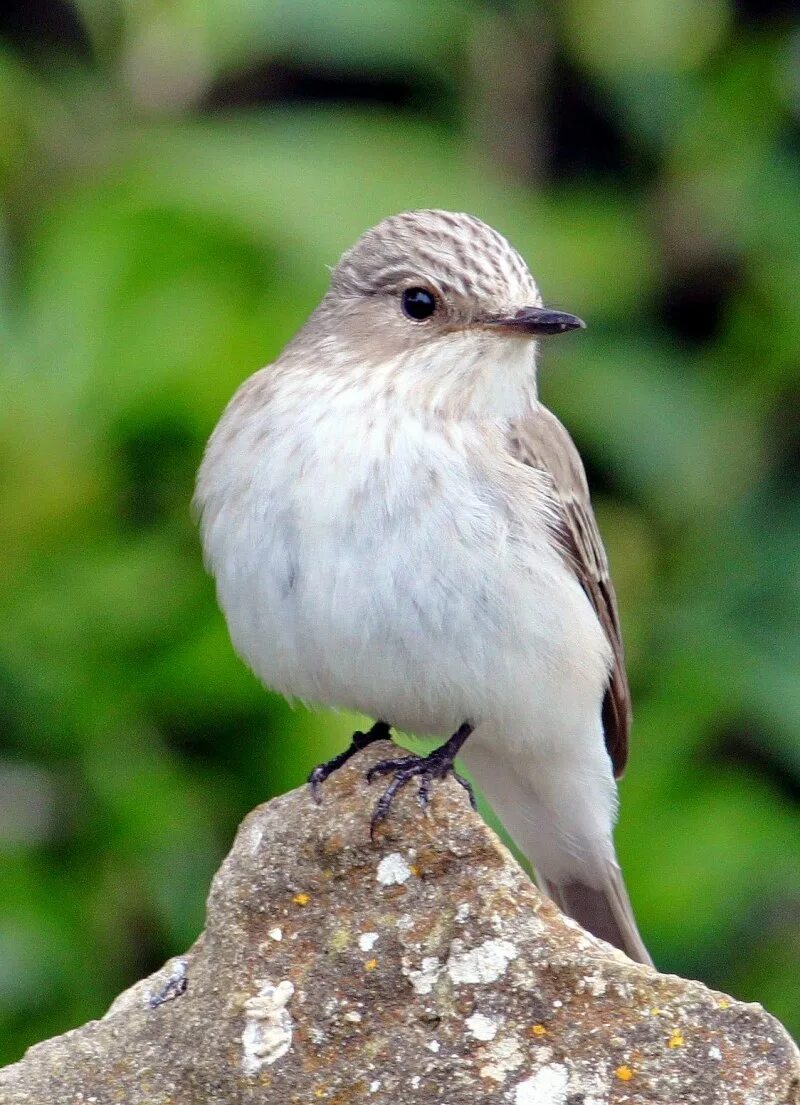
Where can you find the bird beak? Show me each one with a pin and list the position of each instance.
(538, 321)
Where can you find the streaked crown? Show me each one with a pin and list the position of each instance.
(460, 255)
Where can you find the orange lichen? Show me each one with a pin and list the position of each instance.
(624, 1073)
(538, 1030)
(301, 899)
(371, 964)
(675, 1040)
(414, 869)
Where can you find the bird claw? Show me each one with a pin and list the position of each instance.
(323, 771)
(437, 765)
(379, 731)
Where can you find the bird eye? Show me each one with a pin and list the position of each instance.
(418, 303)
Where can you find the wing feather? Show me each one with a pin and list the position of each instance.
(542, 442)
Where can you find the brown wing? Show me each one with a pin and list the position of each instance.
(542, 442)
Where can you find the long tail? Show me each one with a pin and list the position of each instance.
(562, 820)
(605, 910)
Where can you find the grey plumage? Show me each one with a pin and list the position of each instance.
(398, 527)
(543, 442)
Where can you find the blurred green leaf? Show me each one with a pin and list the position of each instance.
(158, 244)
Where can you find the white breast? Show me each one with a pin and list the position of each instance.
(373, 563)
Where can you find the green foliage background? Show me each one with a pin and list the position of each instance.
(175, 178)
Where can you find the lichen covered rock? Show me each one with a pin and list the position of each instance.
(423, 968)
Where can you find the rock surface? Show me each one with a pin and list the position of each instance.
(426, 968)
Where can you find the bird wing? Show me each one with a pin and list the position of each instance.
(542, 442)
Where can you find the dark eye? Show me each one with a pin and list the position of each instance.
(418, 303)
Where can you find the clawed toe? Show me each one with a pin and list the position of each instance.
(438, 765)
(467, 785)
(383, 767)
(379, 731)
(323, 771)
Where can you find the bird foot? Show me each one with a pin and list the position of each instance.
(380, 731)
(437, 765)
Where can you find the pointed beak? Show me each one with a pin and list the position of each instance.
(538, 321)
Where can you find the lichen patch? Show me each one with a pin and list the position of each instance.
(593, 984)
(393, 870)
(481, 1027)
(267, 1032)
(503, 1056)
(423, 978)
(485, 963)
(548, 1086)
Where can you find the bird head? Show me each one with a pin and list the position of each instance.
(441, 310)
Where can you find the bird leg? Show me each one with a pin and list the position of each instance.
(437, 765)
(380, 731)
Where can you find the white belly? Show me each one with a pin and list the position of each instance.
(377, 571)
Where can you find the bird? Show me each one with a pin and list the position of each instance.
(397, 526)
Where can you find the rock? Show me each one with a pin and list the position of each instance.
(426, 968)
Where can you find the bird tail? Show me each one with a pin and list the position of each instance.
(563, 822)
(604, 910)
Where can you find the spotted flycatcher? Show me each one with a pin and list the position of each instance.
(397, 526)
